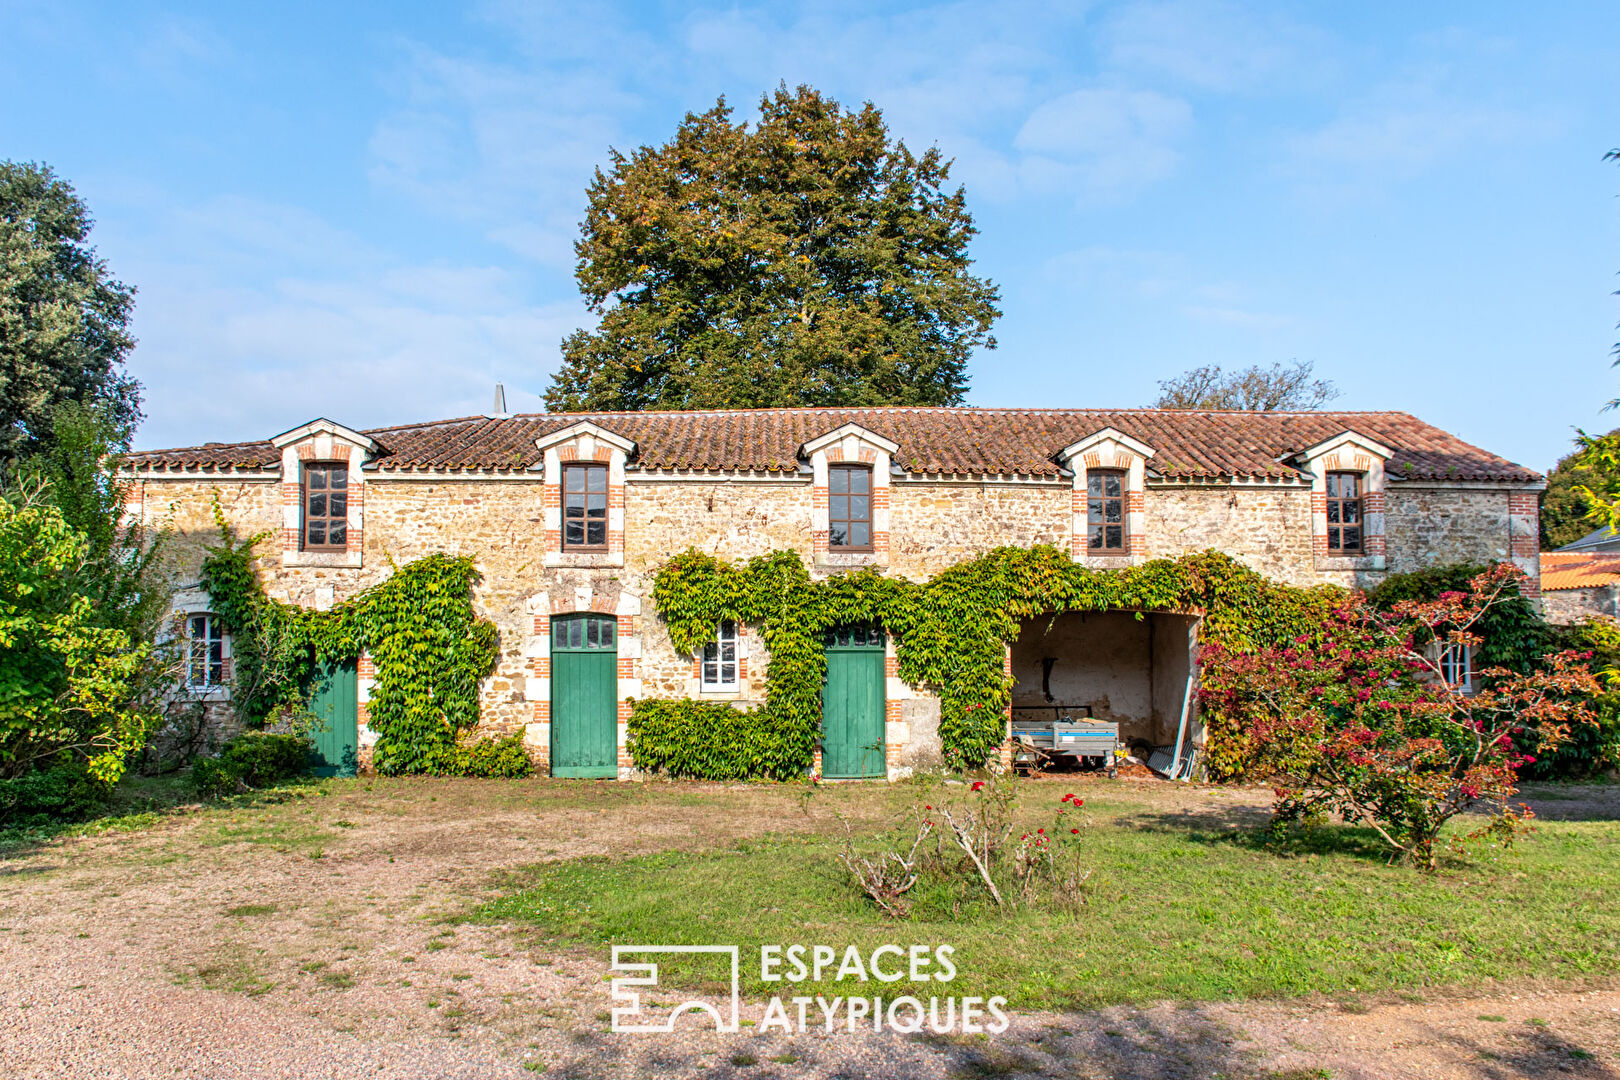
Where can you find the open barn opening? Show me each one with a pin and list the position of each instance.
(1107, 690)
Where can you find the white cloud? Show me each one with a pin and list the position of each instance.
(1213, 44)
(1108, 140)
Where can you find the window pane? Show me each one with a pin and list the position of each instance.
(838, 481)
(860, 508)
(1096, 534)
(1333, 512)
(711, 672)
(1351, 513)
(574, 504)
(860, 481)
(1111, 485)
(317, 533)
(340, 478)
(315, 478)
(339, 505)
(860, 534)
(1352, 539)
(1114, 536)
(838, 535)
(317, 505)
(1094, 483)
(574, 533)
(1333, 538)
(596, 533)
(338, 533)
(1111, 510)
(728, 673)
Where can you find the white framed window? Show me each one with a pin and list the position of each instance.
(1457, 666)
(719, 666)
(206, 651)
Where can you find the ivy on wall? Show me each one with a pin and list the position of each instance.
(951, 634)
(430, 649)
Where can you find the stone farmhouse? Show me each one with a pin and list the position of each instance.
(570, 516)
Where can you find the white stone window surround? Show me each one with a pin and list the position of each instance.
(1113, 450)
(321, 440)
(188, 602)
(1348, 451)
(583, 442)
(719, 688)
(849, 444)
(1455, 663)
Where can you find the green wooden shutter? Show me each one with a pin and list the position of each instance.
(584, 701)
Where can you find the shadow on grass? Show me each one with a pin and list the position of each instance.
(1536, 1052)
(1250, 828)
(127, 811)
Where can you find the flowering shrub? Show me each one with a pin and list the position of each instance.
(1358, 720)
(973, 854)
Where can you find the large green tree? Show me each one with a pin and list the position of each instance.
(64, 320)
(806, 260)
(1566, 505)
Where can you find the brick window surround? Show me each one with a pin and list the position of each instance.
(1108, 451)
(321, 442)
(1348, 452)
(583, 442)
(850, 444)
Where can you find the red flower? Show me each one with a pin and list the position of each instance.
(1041, 831)
(1075, 831)
(1069, 796)
(1079, 802)
(977, 784)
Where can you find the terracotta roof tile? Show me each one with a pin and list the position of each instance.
(1578, 570)
(955, 441)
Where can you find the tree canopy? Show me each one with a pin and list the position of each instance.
(807, 260)
(1566, 505)
(64, 321)
(1254, 389)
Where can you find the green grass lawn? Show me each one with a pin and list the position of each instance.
(1178, 907)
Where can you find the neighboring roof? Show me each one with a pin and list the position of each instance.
(1578, 570)
(1603, 539)
(949, 441)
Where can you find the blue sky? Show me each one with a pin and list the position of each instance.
(366, 211)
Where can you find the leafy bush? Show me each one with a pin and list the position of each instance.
(1591, 748)
(261, 758)
(709, 740)
(211, 778)
(64, 792)
(254, 759)
(502, 758)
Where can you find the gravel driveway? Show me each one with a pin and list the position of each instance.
(312, 938)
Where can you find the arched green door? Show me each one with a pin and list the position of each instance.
(852, 705)
(584, 696)
(334, 699)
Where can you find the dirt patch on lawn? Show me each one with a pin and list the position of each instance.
(317, 937)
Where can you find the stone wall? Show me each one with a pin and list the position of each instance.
(1573, 605)
(933, 525)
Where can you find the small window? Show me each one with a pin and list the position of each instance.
(853, 637)
(720, 659)
(1457, 666)
(326, 507)
(205, 652)
(1344, 513)
(585, 507)
(584, 632)
(1105, 509)
(849, 507)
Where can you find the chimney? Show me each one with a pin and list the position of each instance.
(500, 401)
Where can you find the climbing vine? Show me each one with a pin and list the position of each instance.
(429, 647)
(951, 634)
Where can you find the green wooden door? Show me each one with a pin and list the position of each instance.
(852, 705)
(584, 702)
(334, 698)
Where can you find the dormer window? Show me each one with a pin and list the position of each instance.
(849, 508)
(1344, 524)
(326, 507)
(585, 507)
